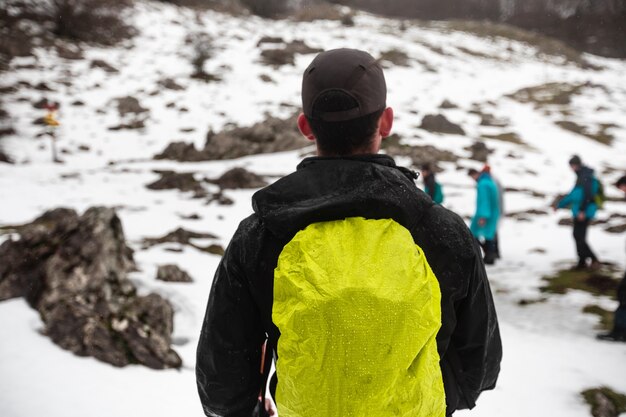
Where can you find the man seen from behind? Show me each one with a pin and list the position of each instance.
(374, 300)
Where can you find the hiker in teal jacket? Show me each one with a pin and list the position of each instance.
(581, 201)
(485, 222)
(431, 186)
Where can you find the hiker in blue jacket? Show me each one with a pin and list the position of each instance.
(582, 203)
(485, 222)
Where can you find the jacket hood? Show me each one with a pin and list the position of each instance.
(332, 188)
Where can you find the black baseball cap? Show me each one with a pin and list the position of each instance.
(349, 71)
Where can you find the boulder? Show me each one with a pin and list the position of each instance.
(73, 270)
(440, 124)
(172, 273)
(103, 65)
(478, 151)
(180, 181)
(129, 105)
(239, 178)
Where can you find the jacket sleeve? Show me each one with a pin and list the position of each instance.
(573, 199)
(476, 342)
(229, 351)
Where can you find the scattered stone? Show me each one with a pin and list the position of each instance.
(41, 104)
(170, 84)
(105, 66)
(266, 78)
(221, 199)
(172, 273)
(184, 237)
(605, 402)
(526, 302)
(269, 136)
(180, 181)
(446, 104)
(183, 152)
(78, 103)
(133, 125)
(270, 39)
(419, 154)
(286, 56)
(4, 158)
(526, 213)
(129, 105)
(84, 148)
(440, 124)
(239, 178)
(395, 57)
(479, 151)
(621, 228)
(73, 270)
(194, 216)
(69, 51)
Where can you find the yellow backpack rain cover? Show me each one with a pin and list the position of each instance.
(358, 309)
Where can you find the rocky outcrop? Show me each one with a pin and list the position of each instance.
(185, 237)
(479, 151)
(268, 136)
(440, 124)
(239, 178)
(278, 56)
(183, 181)
(73, 270)
(172, 273)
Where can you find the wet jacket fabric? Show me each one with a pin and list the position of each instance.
(487, 207)
(581, 198)
(258, 289)
(433, 188)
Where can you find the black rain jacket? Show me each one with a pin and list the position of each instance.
(239, 311)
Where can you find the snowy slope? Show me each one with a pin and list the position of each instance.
(550, 351)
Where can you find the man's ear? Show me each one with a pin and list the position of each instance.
(305, 127)
(386, 122)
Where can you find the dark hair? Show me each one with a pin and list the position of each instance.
(621, 181)
(472, 171)
(575, 160)
(342, 138)
(427, 166)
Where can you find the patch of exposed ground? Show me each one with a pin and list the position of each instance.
(605, 402)
(599, 282)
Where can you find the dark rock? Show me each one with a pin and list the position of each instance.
(286, 56)
(170, 84)
(419, 155)
(69, 51)
(103, 65)
(395, 57)
(84, 148)
(183, 152)
(184, 237)
(78, 103)
(129, 105)
(172, 273)
(4, 158)
(133, 125)
(439, 124)
(621, 228)
(268, 136)
(175, 180)
(446, 104)
(270, 39)
(194, 216)
(73, 270)
(266, 78)
(41, 104)
(239, 178)
(478, 151)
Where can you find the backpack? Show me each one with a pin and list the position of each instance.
(599, 198)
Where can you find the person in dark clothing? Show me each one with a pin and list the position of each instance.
(618, 333)
(584, 208)
(371, 299)
(431, 186)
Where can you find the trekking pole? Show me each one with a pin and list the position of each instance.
(260, 410)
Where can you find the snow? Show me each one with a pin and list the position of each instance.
(550, 353)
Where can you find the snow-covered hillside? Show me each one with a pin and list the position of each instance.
(532, 108)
